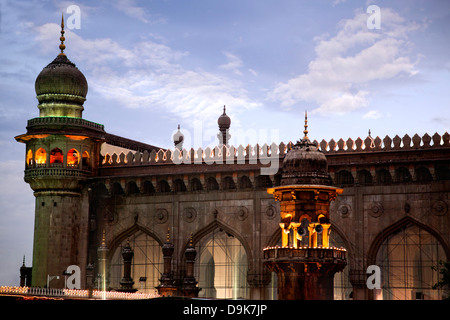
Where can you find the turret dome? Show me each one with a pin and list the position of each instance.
(61, 88)
(305, 164)
(224, 120)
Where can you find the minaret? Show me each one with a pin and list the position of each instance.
(103, 270)
(178, 139)
(224, 123)
(25, 275)
(61, 153)
(305, 263)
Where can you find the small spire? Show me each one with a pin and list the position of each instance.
(224, 109)
(62, 45)
(306, 126)
(178, 127)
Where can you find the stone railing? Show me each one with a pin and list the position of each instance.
(264, 154)
(304, 253)
(45, 121)
(74, 293)
(66, 172)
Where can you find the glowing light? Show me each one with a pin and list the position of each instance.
(56, 156)
(75, 137)
(29, 159)
(73, 157)
(75, 293)
(40, 156)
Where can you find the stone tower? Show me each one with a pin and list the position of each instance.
(305, 263)
(61, 153)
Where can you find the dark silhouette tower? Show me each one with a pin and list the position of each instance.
(25, 275)
(190, 288)
(167, 287)
(126, 284)
(62, 151)
(305, 263)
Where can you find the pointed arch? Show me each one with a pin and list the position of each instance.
(223, 262)
(384, 234)
(406, 252)
(147, 262)
(56, 157)
(196, 237)
(40, 157)
(118, 239)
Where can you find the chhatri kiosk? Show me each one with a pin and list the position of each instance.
(305, 263)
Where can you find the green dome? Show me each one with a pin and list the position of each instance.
(61, 76)
(61, 89)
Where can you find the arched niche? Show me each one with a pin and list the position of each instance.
(147, 262)
(222, 262)
(405, 253)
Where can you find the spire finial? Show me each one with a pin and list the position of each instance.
(224, 109)
(62, 45)
(306, 126)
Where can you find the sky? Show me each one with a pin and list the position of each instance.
(151, 65)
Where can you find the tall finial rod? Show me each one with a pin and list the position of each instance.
(306, 126)
(224, 109)
(62, 45)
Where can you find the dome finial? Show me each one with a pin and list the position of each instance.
(62, 45)
(306, 126)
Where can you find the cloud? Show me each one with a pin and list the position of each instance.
(129, 8)
(234, 63)
(372, 114)
(338, 79)
(150, 75)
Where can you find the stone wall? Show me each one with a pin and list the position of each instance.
(387, 184)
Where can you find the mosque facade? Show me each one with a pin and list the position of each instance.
(200, 220)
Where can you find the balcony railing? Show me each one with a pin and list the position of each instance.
(45, 121)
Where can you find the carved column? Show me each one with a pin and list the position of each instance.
(167, 287)
(190, 288)
(126, 284)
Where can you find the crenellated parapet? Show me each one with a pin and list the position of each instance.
(370, 144)
(265, 153)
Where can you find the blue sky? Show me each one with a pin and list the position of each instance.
(152, 65)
